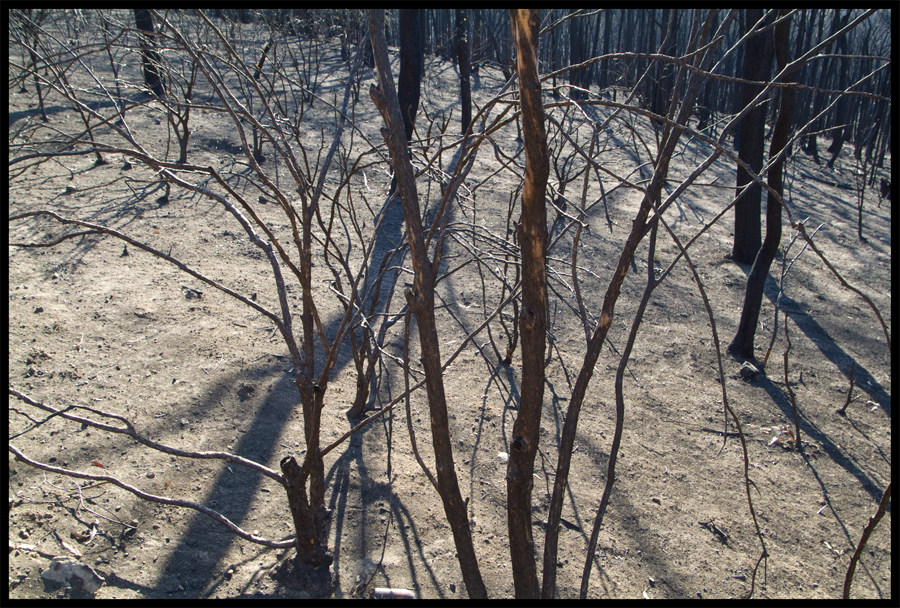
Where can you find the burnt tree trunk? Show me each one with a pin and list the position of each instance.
(312, 539)
(747, 227)
(661, 94)
(532, 237)
(577, 76)
(742, 345)
(839, 133)
(462, 54)
(149, 57)
(421, 303)
(412, 64)
(825, 81)
(409, 81)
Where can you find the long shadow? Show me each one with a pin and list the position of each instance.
(811, 430)
(191, 564)
(843, 361)
(338, 478)
(655, 560)
(367, 549)
(384, 253)
(388, 237)
(834, 353)
(54, 110)
(819, 336)
(848, 535)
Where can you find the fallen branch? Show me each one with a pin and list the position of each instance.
(177, 502)
(131, 432)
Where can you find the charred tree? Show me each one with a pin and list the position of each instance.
(578, 77)
(149, 57)
(841, 115)
(662, 93)
(747, 226)
(826, 78)
(532, 237)
(409, 81)
(421, 300)
(412, 64)
(462, 55)
(742, 345)
(312, 540)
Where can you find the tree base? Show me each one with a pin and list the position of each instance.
(317, 582)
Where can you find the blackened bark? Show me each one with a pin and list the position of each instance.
(606, 71)
(742, 345)
(747, 227)
(409, 81)
(150, 58)
(412, 63)
(661, 94)
(500, 50)
(532, 237)
(312, 539)
(262, 60)
(421, 304)
(594, 73)
(825, 81)
(840, 132)
(462, 54)
(703, 111)
(577, 76)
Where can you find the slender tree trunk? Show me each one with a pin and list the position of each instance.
(607, 45)
(421, 304)
(742, 345)
(594, 72)
(532, 237)
(825, 82)
(576, 56)
(412, 63)
(149, 56)
(841, 115)
(462, 54)
(662, 92)
(747, 226)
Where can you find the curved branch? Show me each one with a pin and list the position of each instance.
(131, 432)
(176, 502)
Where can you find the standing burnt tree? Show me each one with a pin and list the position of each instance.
(532, 236)
(149, 57)
(411, 67)
(421, 301)
(752, 130)
(462, 59)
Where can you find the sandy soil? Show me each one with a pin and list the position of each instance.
(129, 335)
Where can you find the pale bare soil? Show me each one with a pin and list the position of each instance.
(90, 327)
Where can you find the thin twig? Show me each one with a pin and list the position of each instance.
(867, 532)
(787, 385)
(843, 410)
